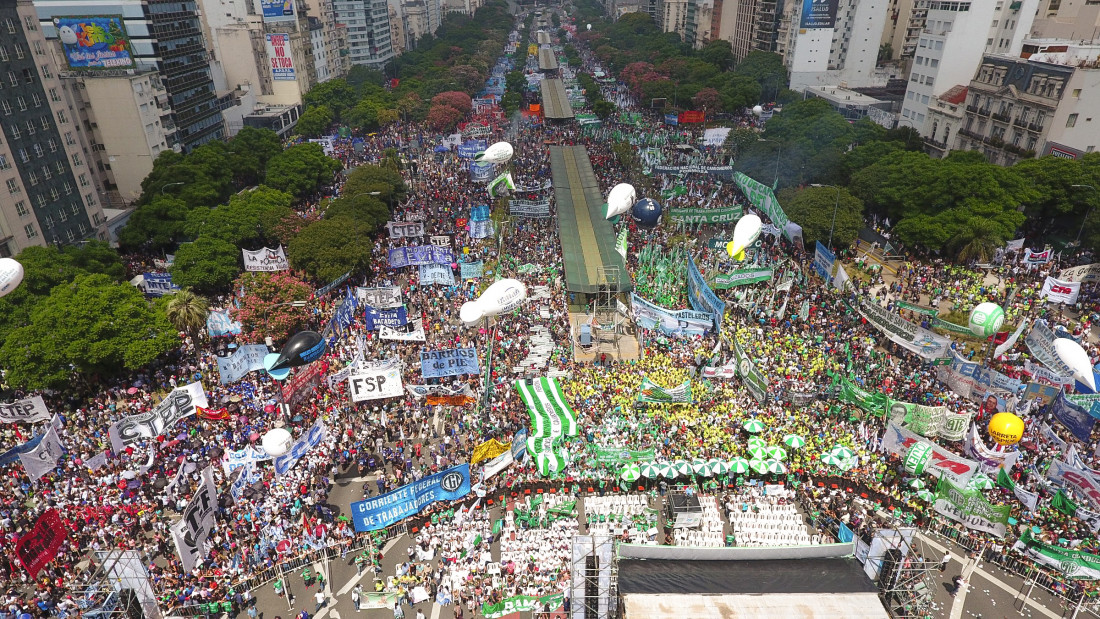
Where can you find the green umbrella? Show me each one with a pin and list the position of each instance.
(831, 458)
(917, 484)
(738, 465)
(651, 470)
(777, 452)
(794, 441)
(681, 467)
(842, 452)
(549, 462)
(758, 452)
(775, 466)
(759, 465)
(926, 495)
(719, 467)
(980, 482)
(756, 441)
(754, 426)
(701, 468)
(667, 470)
(630, 472)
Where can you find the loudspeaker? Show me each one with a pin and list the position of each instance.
(891, 562)
(130, 605)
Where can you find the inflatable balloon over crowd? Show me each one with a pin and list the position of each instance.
(11, 274)
(276, 442)
(620, 199)
(500, 152)
(303, 348)
(503, 296)
(745, 234)
(646, 213)
(1006, 428)
(1077, 359)
(986, 319)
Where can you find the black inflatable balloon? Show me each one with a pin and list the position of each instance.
(646, 213)
(305, 347)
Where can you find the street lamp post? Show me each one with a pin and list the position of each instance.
(1077, 241)
(832, 226)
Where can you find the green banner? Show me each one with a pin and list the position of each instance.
(725, 215)
(521, 603)
(740, 277)
(970, 508)
(950, 326)
(377, 600)
(916, 308)
(875, 403)
(1072, 563)
(652, 392)
(621, 455)
(751, 377)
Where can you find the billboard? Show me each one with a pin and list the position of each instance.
(818, 14)
(95, 42)
(278, 53)
(278, 10)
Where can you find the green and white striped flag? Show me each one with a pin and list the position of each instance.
(620, 243)
(652, 392)
(505, 179)
(550, 414)
(1072, 563)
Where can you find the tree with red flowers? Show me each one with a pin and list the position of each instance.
(264, 305)
(443, 117)
(456, 99)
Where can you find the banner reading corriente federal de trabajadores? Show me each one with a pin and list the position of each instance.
(386, 509)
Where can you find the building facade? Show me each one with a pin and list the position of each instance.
(49, 195)
(833, 43)
(368, 26)
(749, 25)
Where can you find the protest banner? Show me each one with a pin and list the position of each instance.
(970, 508)
(724, 215)
(180, 403)
(375, 385)
(1058, 291)
(312, 438)
(37, 547)
(652, 392)
(27, 410)
(44, 456)
(247, 358)
(701, 297)
(649, 315)
(1070, 563)
(374, 319)
(538, 209)
(741, 277)
(902, 332)
(266, 260)
(449, 362)
(384, 297)
(385, 509)
(405, 229)
(191, 531)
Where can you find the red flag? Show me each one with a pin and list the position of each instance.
(213, 414)
(40, 545)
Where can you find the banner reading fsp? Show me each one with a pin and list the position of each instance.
(450, 362)
(384, 510)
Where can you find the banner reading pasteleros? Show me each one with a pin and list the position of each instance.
(37, 547)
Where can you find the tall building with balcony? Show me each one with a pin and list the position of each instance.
(955, 37)
(833, 43)
(749, 25)
(368, 25)
(1046, 102)
(49, 196)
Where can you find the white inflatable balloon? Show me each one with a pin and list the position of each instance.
(745, 234)
(503, 296)
(1077, 359)
(11, 274)
(757, 110)
(620, 199)
(277, 442)
(500, 152)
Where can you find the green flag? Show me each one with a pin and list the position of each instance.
(1064, 504)
(620, 243)
(498, 526)
(1072, 563)
(1004, 481)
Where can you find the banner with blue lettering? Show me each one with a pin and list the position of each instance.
(481, 229)
(436, 274)
(301, 447)
(1073, 417)
(385, 509)
(247, 358)
(470, 270)
(469, 148)
(449, 362)
(672, 119)
(375, 318)
(219, 324)
(479, 213)
(701, 297)
(823, 261)
(417, 255)
(481, 172)
(159, 284)
(11, 456)
(345, 314)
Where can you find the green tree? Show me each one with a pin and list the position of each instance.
(248, 219)
(156, 226)
(314, 122)
(719, 53)
(187, 312)
(365, 209)
(766, 68)
(251, 149)
(327, 249)
(603, 108)
(208, 265)
(813, 207)
(808, 139)
(977, 240)
(335, 94)
(94, 257)
(301, 170)
(739, 139)
(369, 178)
(91, 326)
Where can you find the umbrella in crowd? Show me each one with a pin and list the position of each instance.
(794, 441)
(701, 467)
(651, 470)
(756, 441)
(630, 472)
(667, 470)
(718, 466)
(753, 425)
(926, 496)
(758, 452)
(980, 481)
(833, 459)
(775, 466)
(842, 452)
(682, 467)
(759, 465)
(738, 465)
(776, 452)
(916, 484)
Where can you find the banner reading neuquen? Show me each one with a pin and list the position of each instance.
(970, 508)
(383, 510)
(39, 546)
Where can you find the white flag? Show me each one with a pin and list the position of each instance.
(44, 457)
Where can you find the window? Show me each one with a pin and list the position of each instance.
(30, 23)
(7, 107)
(69, 235)
(1076, 93)
(90, 199)
(4, 165)
(38, 48)
(74, 208)
(60, 165)
(13, 187)
(21, 208)
(23, 156)
(52, 145)
(53, 95)
(61, 117)
(30, 231)
(45, 121)
(76, 160)
(83, 229)
(83, 179)
(46, 172)
(18, 51)
(28, 76)
(30, 128)
(4, 53)
(69, 138)
(36, 99)
(46, 71)
(32, 178)
(935, 63)
(61, 213)
(68, 188)
(11, 25)
(13, 79)
(48, 222)
(40, 200)
(15, 132)
(1072, 120)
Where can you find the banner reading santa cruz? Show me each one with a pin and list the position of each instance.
(384, 510)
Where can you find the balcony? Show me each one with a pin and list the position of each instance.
(1035, 127)
(1000, 117)
(1019, 122)
(971, 134)
(983, 112)
(972, 108)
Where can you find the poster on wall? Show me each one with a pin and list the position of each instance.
(278, 53)
(95, 42)
(278, 10)
(818, 14)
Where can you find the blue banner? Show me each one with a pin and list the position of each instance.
(470, 270)
(219, 324)
(159, 284)
(519, 445)
(845, 534)
(247, 358)
(11, 456)
(277, 10)
(375, 318)
(385, 509)
(479, 213)
(823, 262)
(481, 171)
(701, 297)
(417, 255)
(436, 274)
(333, 284)
(301, 447)
(450, 362)
(672, 119)
(481, 229)
(345, 314)
(95, 42)
(469, 148)
(1073, 417)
